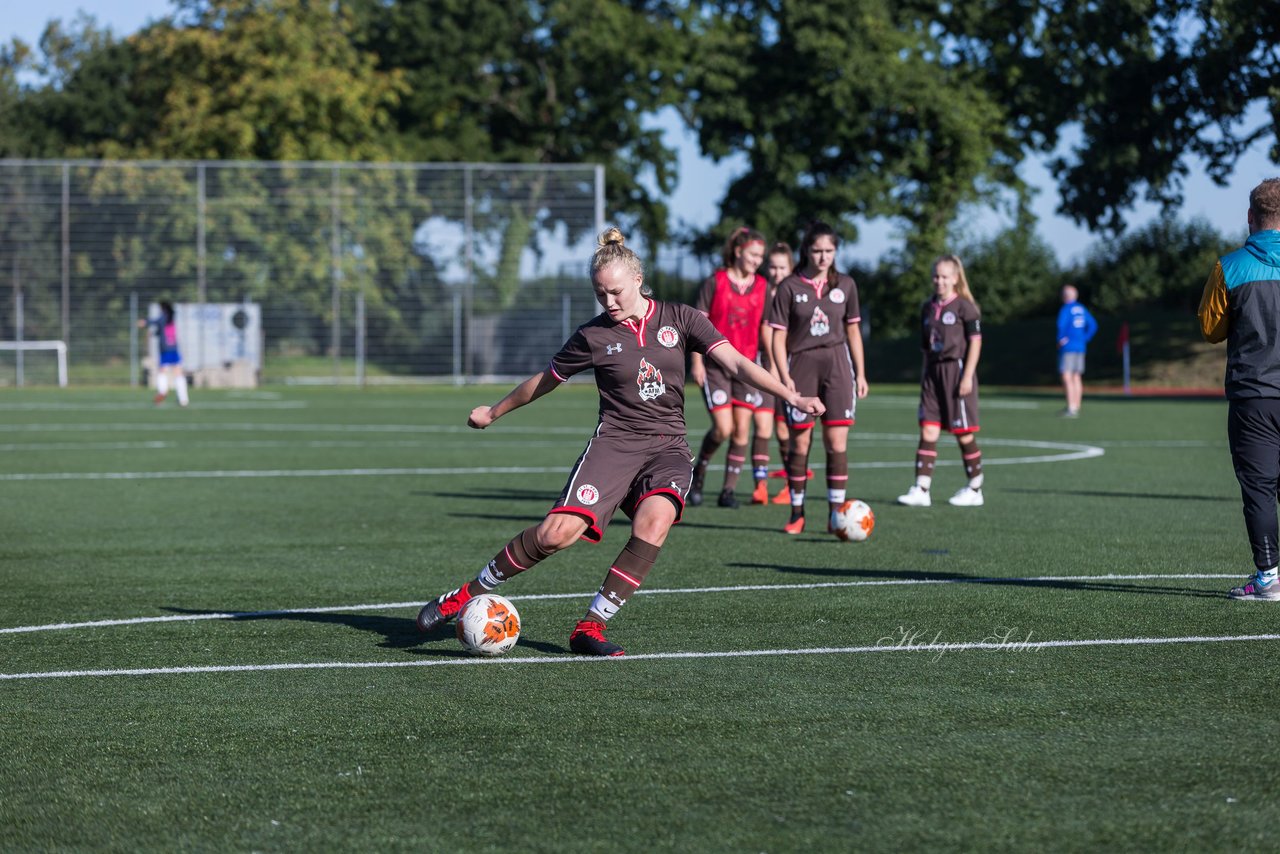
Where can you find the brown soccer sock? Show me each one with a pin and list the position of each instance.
(837, 477)
(733, 466)
(797, 471)
(972, 456)
(709, 446)
(926, 458)
(759, 458)
(522, 553)
(625, 577)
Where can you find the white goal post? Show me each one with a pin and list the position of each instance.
(23, 346)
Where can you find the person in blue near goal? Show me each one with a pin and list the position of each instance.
(1076, 327)
(170, 367)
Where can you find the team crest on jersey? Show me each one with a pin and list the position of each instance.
(668, 337)
(588, 494)
(649, 379)
(948, 318)
(837, 296)
(719, 398)
(820, 324)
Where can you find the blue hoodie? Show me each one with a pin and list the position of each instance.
(1241, 304)
(1076, 326)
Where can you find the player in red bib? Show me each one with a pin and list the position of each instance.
(638, 457)
(817, 347)
(951, 338)
(733, 299)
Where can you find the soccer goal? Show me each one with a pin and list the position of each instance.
(22, 348)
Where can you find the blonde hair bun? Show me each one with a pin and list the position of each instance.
(612, 237)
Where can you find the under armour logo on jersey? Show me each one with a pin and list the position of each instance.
(802, 297)
(613, 348)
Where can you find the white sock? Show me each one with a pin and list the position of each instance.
(976, 482)
(181, 384)
(797, 499)
(835, 496)
(602, 607)
(162, 383)
(488, 579)
(1268, 575)
(924, 481)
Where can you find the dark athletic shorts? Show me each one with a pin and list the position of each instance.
(941, 403)
(621, 470)
(721, 390)
(827, 374)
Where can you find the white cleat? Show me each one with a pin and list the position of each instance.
(966, 497)
(916, 497)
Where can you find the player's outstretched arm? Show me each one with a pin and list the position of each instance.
(527, 392)
(739, 365)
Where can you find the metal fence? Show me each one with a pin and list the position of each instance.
(363, 272)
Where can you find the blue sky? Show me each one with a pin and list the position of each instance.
(702, 182)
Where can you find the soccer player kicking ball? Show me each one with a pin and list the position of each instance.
(637, 459)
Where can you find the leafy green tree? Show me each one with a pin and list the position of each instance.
(1163, 264)
(535, 82)
(1154, 88)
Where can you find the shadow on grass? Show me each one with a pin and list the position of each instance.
(1101, 585)
(492, 495)
(1093, 493)
(397, 632)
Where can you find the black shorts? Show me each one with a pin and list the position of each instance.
(827, 374)
(941, 403)
(621, 470)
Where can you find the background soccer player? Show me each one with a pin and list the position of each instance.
(733, 299)
(951, 337)
(638, 456)
(769, 418)
(817, 349)
(1076, 327)
(170, 367)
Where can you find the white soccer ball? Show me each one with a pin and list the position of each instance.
(853, 521)
(488, 625)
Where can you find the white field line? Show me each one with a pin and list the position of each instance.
(740, 588)
(262, 427)
(116, 407)
(931, 648)
(1071, 452)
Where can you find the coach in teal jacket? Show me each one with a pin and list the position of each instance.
(1241, 304)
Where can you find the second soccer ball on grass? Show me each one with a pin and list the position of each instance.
(853, 521)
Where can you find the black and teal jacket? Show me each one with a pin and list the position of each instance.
(1241, 305)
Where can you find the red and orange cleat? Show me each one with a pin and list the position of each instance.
(795, 526)
(760, 495)
(443, 610)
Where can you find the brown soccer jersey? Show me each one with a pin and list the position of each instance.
(946, 328)
(814, 316)
(640, 365)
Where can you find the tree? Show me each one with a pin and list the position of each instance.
(845, 109)
(1151, 85)
(562, 81)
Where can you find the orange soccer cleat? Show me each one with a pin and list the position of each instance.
(783, 496)
(760, 495)
(795, 526)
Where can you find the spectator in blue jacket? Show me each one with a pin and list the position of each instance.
(1241, 304)
(1075, 327)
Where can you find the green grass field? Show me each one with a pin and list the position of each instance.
(779, 694)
